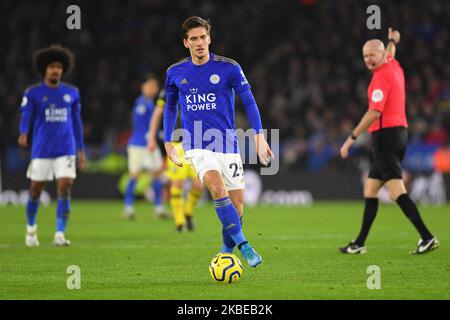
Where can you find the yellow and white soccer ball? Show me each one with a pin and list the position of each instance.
(225, 268)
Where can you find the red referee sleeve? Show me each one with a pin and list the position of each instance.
(379, 92)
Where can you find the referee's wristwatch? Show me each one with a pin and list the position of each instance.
(353, 137)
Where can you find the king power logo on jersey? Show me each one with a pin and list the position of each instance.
(55, 114)
(200, 102)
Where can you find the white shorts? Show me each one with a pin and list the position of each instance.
(228, 164)
(49, 169)
(140, 158)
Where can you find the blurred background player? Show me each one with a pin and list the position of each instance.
(386, 121)
(52, 108)
(204, 86)
(182, 208)
(139, 157)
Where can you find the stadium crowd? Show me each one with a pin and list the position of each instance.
(303, 59)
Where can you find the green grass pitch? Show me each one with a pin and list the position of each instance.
(146, 259)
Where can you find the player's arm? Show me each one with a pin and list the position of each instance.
(240, 84)
(394, 39)
(154, 124)
(26, 109)
(170, 118)
(252, 111)
(367, 120)
(78, 133)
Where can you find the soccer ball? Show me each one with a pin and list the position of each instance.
(225, 268)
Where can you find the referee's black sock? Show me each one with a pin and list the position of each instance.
(409, 208)
(370, 212)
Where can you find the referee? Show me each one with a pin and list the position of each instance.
(386, 121)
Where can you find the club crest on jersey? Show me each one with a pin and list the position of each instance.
(214, 79)
(67, 98)
(141, 109)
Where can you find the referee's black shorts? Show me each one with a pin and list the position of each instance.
(388, 150)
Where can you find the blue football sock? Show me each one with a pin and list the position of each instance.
(32, 209)
(129, 192)
(228, 242)
(62, 213)
(230, 219)
(158, 190)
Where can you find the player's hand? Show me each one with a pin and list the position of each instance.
(23, 140)
(151, 145)
(345, 147)
(262, 148)
(173, 154)
(394, 35)
(81, 158)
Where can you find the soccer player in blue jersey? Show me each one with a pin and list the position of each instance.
(204, 87)
(139, 157)
(52, 109)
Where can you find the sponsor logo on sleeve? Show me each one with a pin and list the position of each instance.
(377, 95)
(24, 102)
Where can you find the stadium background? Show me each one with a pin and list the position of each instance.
(302, 58)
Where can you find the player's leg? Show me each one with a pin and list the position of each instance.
(237, 198)
(36, 189)
(134, 168)
(39, 171)
(65, 173)
(398, 193)
(194, 195)
(229, 216)
(157, 187)
(371, 189)
(64, 188)
(177, 203)
(128, 198)
(177, 177)
(395, 146)
(155, 165)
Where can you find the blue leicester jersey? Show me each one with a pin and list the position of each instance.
(142, 113)
(206, 97)
(55, 116)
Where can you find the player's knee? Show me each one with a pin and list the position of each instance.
(35, 192)
(197, 186)
(218, 191)
(394, 194)
(65, 188)
(370, 191)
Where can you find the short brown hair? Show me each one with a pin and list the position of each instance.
(149, 77)
(195, 22)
